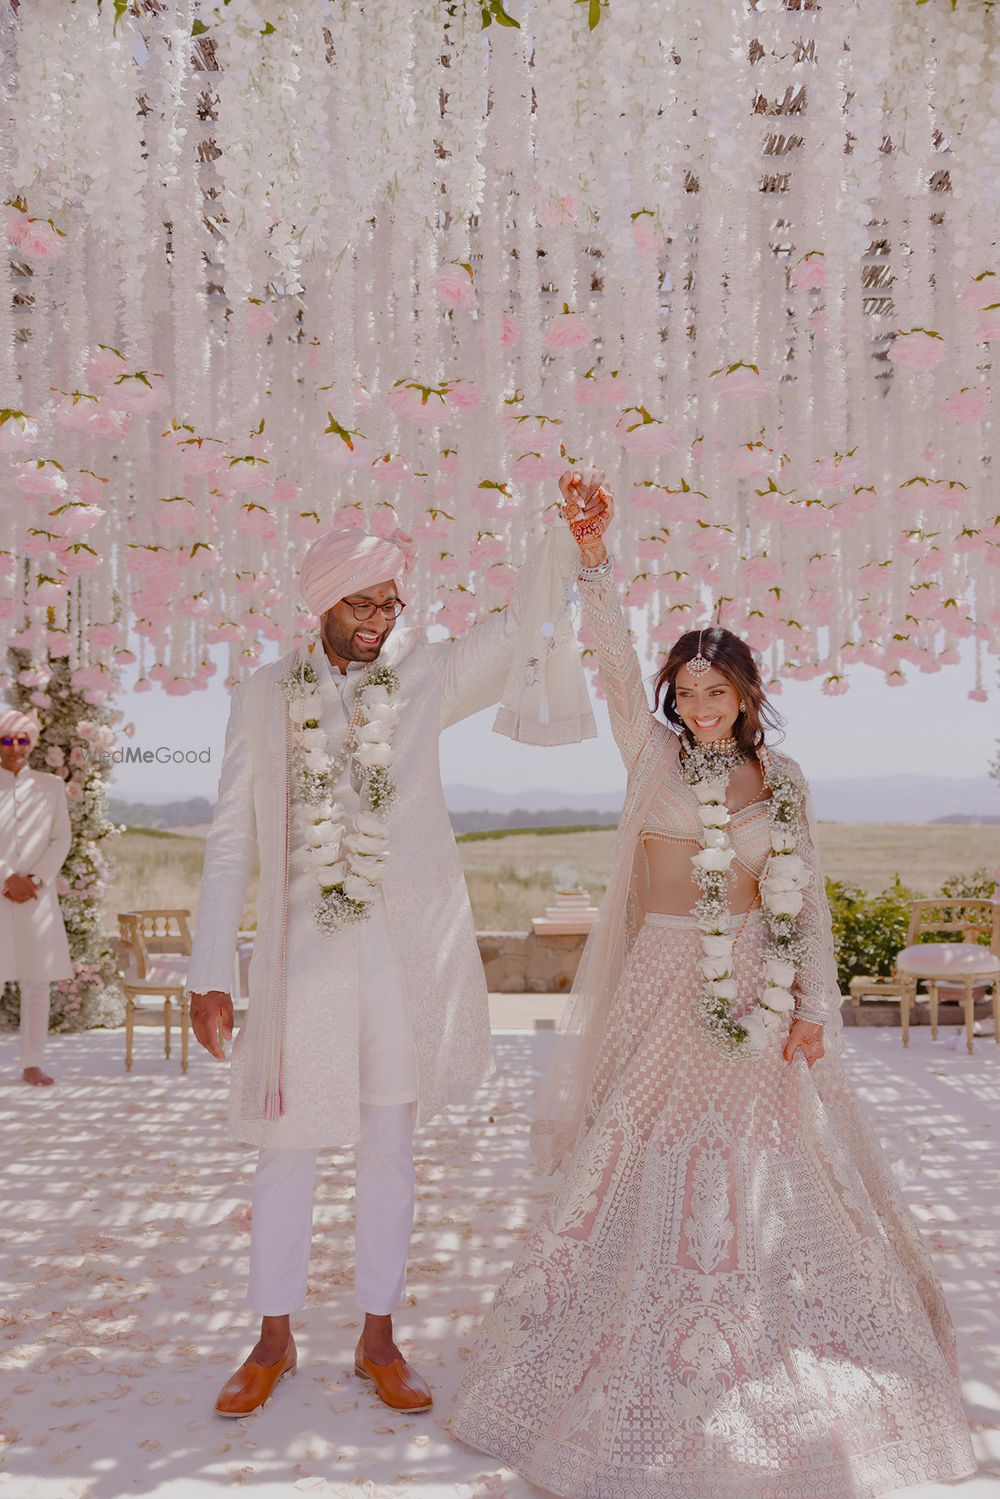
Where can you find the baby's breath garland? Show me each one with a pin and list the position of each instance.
(781, 885)
(347, 859)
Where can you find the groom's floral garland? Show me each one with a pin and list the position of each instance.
(782, 882)
(347, 856)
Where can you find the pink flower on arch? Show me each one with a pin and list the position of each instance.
(810, 272)
(978, 695)
(454, 286)
(916, 349)
(968, 405)
(40, 241)
(259, 318)
(740, 382)
(979, 294)
(568, 330)
(426, 406)
(646, 238)
(988, 328)
(510, 331)
(552, 211)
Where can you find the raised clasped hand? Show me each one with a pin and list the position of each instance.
(588, 507)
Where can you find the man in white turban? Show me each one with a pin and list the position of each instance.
(368, 1008)
(34, 841)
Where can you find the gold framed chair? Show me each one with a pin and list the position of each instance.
(964, 965)
(159, 941)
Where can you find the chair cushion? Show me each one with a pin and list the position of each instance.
(167, 970)
(948, 959)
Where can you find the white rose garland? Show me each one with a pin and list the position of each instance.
(784, 878)
(346, 855)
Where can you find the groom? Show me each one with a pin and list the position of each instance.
(368, 1009)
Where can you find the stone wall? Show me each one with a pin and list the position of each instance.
(523, 963)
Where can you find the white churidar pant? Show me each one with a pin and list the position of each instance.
(283, 1212)
(282, 1197)
(34, 1028)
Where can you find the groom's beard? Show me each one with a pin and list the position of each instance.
(343, 642)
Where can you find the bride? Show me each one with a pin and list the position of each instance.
(726, 1296)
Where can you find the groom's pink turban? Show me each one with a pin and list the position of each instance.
(345, 562)
(14, 723)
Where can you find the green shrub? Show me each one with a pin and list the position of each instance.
(979, 885)
(868, 930)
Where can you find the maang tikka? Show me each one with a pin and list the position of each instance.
(698, 665)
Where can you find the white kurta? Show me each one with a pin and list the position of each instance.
(387, 1067)
(313, 979)
(35, 838)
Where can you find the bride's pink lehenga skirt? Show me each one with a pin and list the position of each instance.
(726, 1295)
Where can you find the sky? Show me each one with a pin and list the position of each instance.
(928, 727)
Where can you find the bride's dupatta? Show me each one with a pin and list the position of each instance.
(570, 1093)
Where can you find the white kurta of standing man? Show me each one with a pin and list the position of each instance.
(35, 838)
(426, 902)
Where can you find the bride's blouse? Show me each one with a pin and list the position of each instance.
(672, 831)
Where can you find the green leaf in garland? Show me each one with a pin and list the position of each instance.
(198, 28)
(594, 12)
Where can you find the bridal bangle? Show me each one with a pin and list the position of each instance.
(602, 570)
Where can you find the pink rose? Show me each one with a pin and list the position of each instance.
(553, 212)
(647, 439)
(740, 382)
(979, 294)
(978, 695)
(510, 331)
(40, 241)
(130, 393)
(40, 477)
(568, 330)
(916, 350)
(465, 395)
(285, 491)
(18, 431)
(988, 328)
(454, 286)
(107, 421)
(969, 405)
(202, 457)
(259, 319)
(809, 273)
(425, 406)
(646, 238)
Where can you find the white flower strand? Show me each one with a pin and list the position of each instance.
(782, 882)
(347, 856)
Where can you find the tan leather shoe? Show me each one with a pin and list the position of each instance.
(396, 1384)
(253, 1384)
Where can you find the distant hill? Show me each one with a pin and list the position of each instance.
(902, 798)
(520, 817)
(161, 814)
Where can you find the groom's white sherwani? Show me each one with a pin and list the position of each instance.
(316, 976)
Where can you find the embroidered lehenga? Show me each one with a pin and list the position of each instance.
(726, 1296)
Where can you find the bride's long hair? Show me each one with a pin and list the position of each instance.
(734, 658)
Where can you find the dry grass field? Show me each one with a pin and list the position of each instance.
(511, 878)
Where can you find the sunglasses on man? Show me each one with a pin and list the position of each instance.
(9, 739)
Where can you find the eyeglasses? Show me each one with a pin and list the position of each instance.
(392, 609)
(8, 740)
